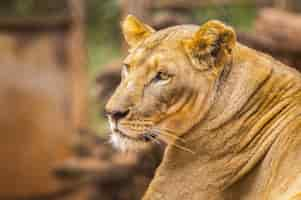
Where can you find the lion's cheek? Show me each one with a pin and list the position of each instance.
(179, 122)
(150, 107)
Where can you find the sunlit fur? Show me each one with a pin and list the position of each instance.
(230, 116)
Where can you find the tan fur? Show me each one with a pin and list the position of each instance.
(230, 115)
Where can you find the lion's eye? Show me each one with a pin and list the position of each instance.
(162, 77)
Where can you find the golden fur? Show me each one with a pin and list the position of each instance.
(230, 115)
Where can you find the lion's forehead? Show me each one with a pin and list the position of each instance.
(151, 58)
(155, 46)
(171, 34)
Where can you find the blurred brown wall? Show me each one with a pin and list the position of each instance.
(42, 100)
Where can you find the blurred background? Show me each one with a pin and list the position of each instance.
(60, 62)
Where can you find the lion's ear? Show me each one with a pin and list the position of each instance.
(134, 30)
(211, 44)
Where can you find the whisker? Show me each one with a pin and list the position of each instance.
(158, 131)
(181, 147)
(153, 139)
(136, 129)
(147, 120)
(142, 120)
(168, 130)
(134, 123)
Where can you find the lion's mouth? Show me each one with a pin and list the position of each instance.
(122, 134)
(122, 140)
(144, 137)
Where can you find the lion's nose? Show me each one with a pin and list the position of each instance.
(117, 114)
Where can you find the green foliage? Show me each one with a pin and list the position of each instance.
(240, 16)
(103, 17)
(103, 33)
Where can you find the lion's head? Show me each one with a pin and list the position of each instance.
(168, 80)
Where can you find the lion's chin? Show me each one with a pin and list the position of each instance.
(124, 144)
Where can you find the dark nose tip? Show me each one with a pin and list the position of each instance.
(117, 115)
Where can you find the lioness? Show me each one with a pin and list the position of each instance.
(231, 116)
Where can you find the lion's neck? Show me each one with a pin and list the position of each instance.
(235, 136)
